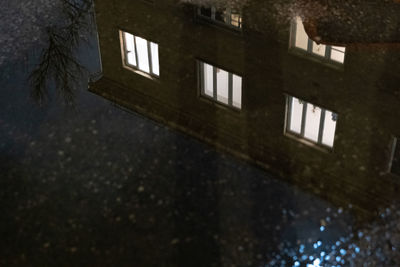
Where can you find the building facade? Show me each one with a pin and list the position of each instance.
(322, 117)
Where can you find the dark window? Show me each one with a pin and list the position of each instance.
(220, 15)
(223, 16)
(205, 12)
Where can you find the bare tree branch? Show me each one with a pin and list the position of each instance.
(57, 62)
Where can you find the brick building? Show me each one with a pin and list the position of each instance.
(322, 117)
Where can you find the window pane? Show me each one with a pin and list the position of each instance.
(301, 35)
(208, 79)
(130, 49)
(337, 53)
(130, 56)
(329, 128)
(318, 49)
(129, 42)
(237, 91)
(313, 117)
(222, 86)
(154, 59)
(143, 54)
(296, 114)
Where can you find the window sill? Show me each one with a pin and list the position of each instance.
(319, 59)
(142, 73)
(219, 25)
(309, 143)
(221, 105)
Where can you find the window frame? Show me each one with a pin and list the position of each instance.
(326, 58)
(201, 88)
(301, 136)
(213, 20)
(395, 142)
(135, 68)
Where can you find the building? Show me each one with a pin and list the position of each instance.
(325, 118)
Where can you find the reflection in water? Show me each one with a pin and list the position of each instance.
(376, 245)
(246, 77)
(140, 54)
(224, 87)
(311, 122)
(301, 40)
(57, 62)
(227, 16)
(237, 73)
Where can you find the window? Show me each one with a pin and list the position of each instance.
(139, 54)
(394, 165)
(300, 40)
(310, 122)
(222, 86)
(227, 16)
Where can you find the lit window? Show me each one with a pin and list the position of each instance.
(310, 122)
(225, 16)
(140, 54)
(301, 41)
(220, 85)
(394, 165)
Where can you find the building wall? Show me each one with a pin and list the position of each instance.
(363, 92)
